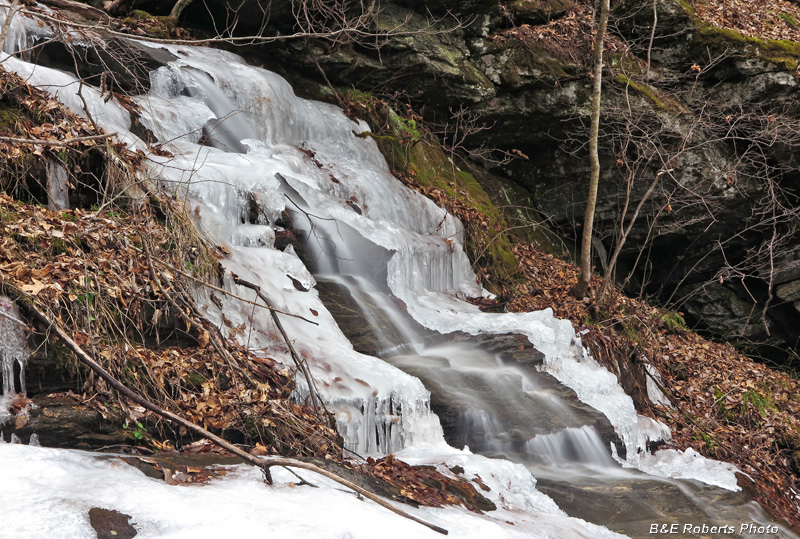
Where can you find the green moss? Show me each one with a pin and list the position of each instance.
(140, 15)
(194, 380)
(789, 19)
(8, 119)
(687, 7)
(781, 52)
(674, 322)
(487, 242)
(761, 403)
(403, 127)
(625, 63)
(644, 90)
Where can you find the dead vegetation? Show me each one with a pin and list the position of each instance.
(776, 19)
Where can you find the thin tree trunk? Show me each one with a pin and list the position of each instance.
(623, 237)
(178, 8)
(652, 38)
(582, 286)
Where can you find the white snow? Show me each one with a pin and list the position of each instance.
(62, 485)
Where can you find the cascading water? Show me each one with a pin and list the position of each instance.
(244, 150)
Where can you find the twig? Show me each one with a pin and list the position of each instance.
(218, 346)
(13, 319)
(301, 364)
(86, 11)
(59, 143)
(264, 464)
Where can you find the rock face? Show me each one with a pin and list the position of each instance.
(710, 125)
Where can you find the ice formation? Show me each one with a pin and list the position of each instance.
(244, 150)
(13, 348)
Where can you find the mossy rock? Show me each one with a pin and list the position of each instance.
(517, 207)
(537, 11)
(528, 60)
(783, 53)
(487, 242)
(660, 99)
(140, 15)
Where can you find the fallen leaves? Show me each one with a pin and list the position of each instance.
(425, 485)
(776, 19)
(90, 268)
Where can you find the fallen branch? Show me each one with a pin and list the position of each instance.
(85, 11)
(264, 464)
(59, 143)
(300, 362)
(13, 319)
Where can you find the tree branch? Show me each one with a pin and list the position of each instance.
(316, 401)
(264, 464)
(59, 143)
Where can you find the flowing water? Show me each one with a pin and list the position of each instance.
(251, 159)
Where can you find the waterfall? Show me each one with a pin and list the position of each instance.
(244, 152)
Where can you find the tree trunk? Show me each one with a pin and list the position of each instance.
(178, 8)
(581, 287)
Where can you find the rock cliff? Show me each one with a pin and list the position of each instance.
(705, 114)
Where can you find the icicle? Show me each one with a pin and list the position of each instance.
(13, 346)
(17, 35)
(34, 441)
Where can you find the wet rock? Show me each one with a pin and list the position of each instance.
(111, 524)
(62, 421)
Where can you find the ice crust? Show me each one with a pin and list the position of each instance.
(689, 464)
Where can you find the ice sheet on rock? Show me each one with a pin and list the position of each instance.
(650, 430)
(179, 117)
(109, 115)
(654, 382)
(60, 486)
(689, 464)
